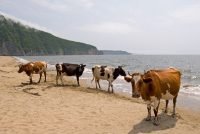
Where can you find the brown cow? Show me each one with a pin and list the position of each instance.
(34, 68)
(155, 85)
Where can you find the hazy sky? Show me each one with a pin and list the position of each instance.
(137, 26)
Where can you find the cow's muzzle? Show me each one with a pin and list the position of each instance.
(19, 71)
(135, 95)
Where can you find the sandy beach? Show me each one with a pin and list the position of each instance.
(49, 109)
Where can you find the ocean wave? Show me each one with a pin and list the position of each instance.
(51, 67)
(87, 70)
(21, 60)
(190, 77)
(187, 71)
(191, 90)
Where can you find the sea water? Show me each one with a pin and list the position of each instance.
(189, 66)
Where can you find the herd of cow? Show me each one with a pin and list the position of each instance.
(152, 85)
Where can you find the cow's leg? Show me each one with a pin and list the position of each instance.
(40, 77)
(174, 106)
(45, 76)
(149, 112)
(112, 87)
(156, 106)
(77, 78)
(30, 77)
(61, 79)
(108, 87)
(98, 84)
(166, 106)
(57, 77)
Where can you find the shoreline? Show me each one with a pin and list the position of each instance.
(47, 108)
(185, 99)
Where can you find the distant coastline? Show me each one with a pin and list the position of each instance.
(115, 52)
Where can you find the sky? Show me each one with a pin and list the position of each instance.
(136, 26)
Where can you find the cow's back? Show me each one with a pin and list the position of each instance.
(39, 66)
(169, 80)
(70, 69)
(96, 70)
(102, 72)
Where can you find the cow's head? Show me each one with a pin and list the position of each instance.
(141, 83)
(121, 71)
(21, 68)
(81, 68)
(135, 80)
(58, 67)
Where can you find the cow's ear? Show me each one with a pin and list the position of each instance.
(128, 78)
(83, 65)
(147, 80)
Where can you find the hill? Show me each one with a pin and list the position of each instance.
(17, 39)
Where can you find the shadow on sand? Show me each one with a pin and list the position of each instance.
(27, 90)
(166, 122)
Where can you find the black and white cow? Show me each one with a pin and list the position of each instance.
(69, 70)
(106, 73)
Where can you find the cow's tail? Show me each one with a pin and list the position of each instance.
(46, 65)
(93, 75)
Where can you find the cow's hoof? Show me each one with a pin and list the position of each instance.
(148, 119)
(173, 115)
(156, 123)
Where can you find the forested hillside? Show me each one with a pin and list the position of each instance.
(17, 39)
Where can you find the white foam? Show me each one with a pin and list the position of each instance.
(51, 67)
(191, 90)
(21, 60)
(193, 77)
(87, 70)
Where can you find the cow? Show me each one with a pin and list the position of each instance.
(69, 70)
(154, 85)
(106, 73)
(31, 68)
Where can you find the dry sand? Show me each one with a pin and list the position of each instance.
(49, 109)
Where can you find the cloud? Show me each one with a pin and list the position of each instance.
(188, 14)
(52, 4)
(64, 5)
(88, 3)
(109, 28)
